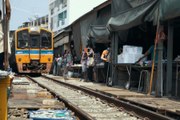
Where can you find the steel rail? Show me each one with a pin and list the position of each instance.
(137, 110)
(168, 113)
(82, 115)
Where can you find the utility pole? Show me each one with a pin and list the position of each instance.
(5, 82)
(6, 17)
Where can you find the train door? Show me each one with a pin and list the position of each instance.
(34, 51)
(46, 50)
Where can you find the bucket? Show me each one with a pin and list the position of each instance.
(127, 86)
(70, 74)
(109, 83)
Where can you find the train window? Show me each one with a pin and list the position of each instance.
(34, 41)
(45, 39)
(23, 37)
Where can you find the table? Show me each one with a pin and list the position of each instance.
(99, 72)
(76, 66)
(129, 67)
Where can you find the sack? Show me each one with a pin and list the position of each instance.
(59, 62)
(90, 61)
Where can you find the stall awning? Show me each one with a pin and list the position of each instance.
(100, 33)
(131, 17)
(148, 11)
(169, 9)
(62, 41)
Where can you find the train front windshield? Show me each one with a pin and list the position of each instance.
(46, 39)
(35, 41)
(23, 39)
(40, 40)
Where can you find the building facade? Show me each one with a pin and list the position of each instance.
(63, 12)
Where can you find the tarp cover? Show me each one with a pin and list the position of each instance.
(164, 10)
(130, 13)
(117, 6)
(76, 31)
(131, 17)
(99, 30)
(169, 9)
(85, 28)
(100, 33)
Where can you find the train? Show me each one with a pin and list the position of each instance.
(33, 50)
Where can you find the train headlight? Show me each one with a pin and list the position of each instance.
(49, 59)
(19, 59)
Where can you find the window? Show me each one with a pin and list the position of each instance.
(52, 8)
(63, 22)
(45, 39)
(64, 3)
(34, 41)
(52, 11)
(58, 23)
(62, 15)
(52, 23)
(65, 14)
(23, 39)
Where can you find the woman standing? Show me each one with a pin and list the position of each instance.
(90, 63)
(68, 63)
(59, 64)
(84, 65)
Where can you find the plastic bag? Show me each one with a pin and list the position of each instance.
(90, 61)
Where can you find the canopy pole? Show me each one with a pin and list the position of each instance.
(153, 62)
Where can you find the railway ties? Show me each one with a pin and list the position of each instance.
(89, 104)
(95, 105)
(27, 97)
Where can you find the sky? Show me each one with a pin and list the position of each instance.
(24, 10)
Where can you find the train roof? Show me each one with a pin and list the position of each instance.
(33, 28)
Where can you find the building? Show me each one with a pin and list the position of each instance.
(74, 37)
(38, 21)
(63, 12)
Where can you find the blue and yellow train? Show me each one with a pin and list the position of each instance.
(33, 50)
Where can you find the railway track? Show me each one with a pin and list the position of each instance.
(28, 98)
(89, 104)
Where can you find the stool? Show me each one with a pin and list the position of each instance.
(144, 76)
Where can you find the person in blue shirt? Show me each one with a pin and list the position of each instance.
(150, 51)
(161, 37)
